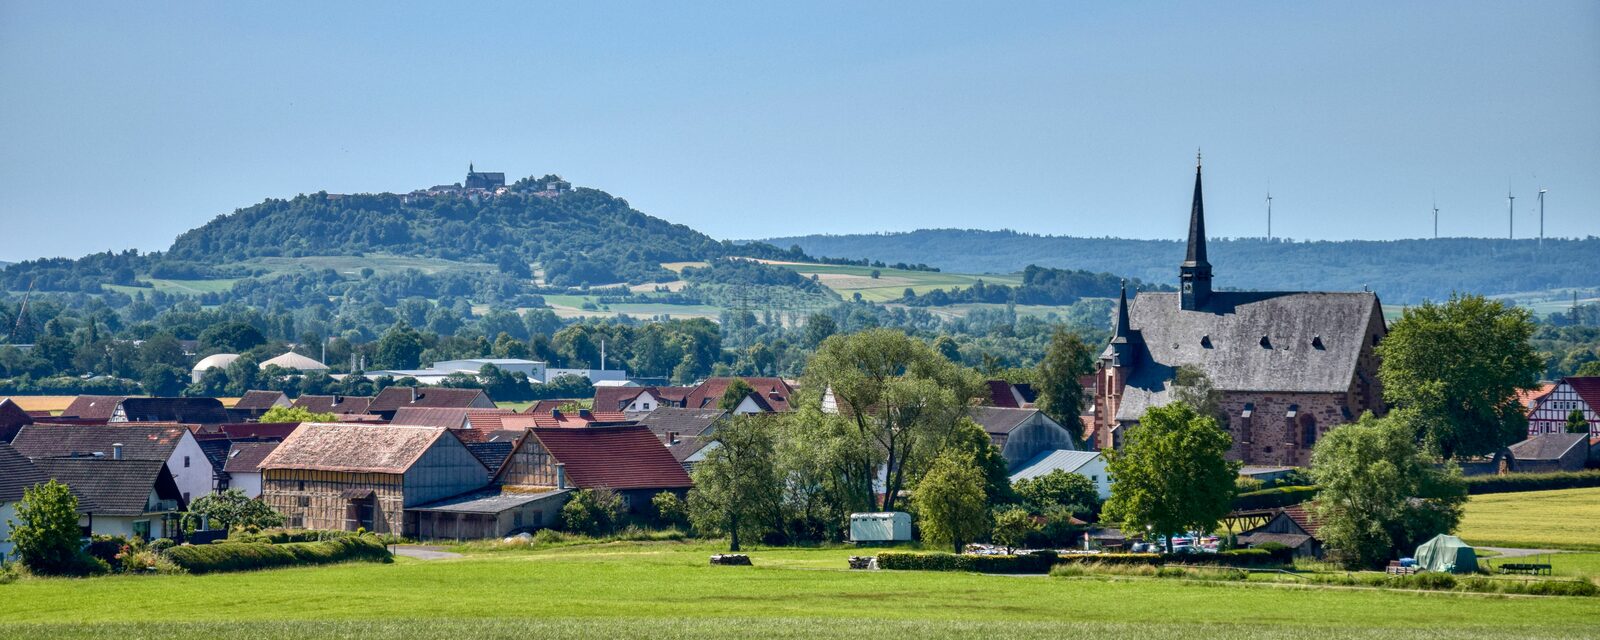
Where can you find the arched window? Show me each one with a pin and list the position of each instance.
(1308, 430)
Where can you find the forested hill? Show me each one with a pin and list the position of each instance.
(580, 236)
(1401, 271)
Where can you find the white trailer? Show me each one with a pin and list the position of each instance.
(891, 526)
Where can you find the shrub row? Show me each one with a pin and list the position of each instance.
(1243, 558)
(1149, 559)
(1078, 569)
(1274, 498)
(1429, 581)
(1513, 482)
(246, 556)
(1037, 562)
(283, 536)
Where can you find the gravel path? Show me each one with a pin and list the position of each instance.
(424, 552)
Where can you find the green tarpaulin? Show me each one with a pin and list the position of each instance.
(1447, 554)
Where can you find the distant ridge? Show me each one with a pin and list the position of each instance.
(1401, 271)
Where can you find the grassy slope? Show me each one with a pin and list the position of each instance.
(891, 283)
(653, 589)
(1562, 519)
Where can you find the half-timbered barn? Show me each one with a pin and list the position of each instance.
(343, 476)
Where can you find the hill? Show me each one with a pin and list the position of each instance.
(1402, 271)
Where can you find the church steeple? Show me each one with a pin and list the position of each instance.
(1123, 337)
(1195, 273)
(1123, 329)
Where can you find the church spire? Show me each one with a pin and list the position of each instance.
(1123, 326)
(1195, 272)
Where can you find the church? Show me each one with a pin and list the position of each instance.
(1290, 366)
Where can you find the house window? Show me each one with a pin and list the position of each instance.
(141, 529)
(301, 485)
(297, 522)
(186, 462)
(304, 501)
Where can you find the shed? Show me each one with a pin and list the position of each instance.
(889, 526)
(1447, 554)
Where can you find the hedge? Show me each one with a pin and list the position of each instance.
(1273, 498)
(1037, 562)
(282, 536)
(1152, 559)
(1240, 558)
(246, 556)
(1513, 482)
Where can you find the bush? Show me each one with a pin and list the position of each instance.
(106, 548)
(1274, 498)
(1533, 482)
(246, 556)
(1150, 559)
(592, 512)
(548, 536)
(162, 544)
(1037, 562)
(284, 536)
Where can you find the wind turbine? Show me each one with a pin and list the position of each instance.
(1542, 191)
(1436, 217)
(1511, 217)
(1269, 214)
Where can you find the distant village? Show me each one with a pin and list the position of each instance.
(428, 462)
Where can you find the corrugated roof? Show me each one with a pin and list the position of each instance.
(488, 501)
(139, 442)
(356, 448)
(1247, 341)
(1060, 459)
(628, 457)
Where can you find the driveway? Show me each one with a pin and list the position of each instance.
(422, 552)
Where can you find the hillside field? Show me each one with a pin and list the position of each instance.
(847, 280)
(1560, 519)
(667, 590)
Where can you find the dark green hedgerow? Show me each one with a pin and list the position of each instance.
(246, 556)
(1514, 482)
(1038, 562)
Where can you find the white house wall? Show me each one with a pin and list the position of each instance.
(195, 479)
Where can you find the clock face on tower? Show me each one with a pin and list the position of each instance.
(1188, 287)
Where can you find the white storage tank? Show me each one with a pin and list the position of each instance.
(891, 526)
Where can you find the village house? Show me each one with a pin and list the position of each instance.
(627, 459)
(17, 475)
(391, 399)
(130, 498)
(340, 405)
(1290, 365)
(1022, 434)
(770, 395)
(12, 419)
(1549, 411)
(243, 466)
(1089, 464)
(92, 408)
(187, 464)
(346, 476)
(687, 433)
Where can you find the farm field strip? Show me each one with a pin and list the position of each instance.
(1559, 519)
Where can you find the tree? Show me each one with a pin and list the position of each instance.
(1379, 492)
(163, 380)
(231, 337)
(734, 394)
(736, 488)
(1588, 370)
(1172, 475)
(1058, 489)
(399, 348)
(971, 439)
(1459, 366)
(229, 509)
(950, 502)
(1191, 386)
(592, 512)
(1576, 422)
(1060, 395)
(819, 326)
(45, 534)
(296, 414)
(903, 399)
(1012, 528)
(670, 509)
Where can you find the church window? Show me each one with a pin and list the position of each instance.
(1308, 430)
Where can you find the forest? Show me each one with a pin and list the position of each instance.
(1400, 271)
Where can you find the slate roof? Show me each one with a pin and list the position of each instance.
(356, 448)
(1548, 446)
(246, 457)
(92, 407)
(1000, 420)
(115, 487)
(392, 398)
(1046, 461)
(626, 457)
(774, 392)
(334, 404)
(16, 474)
(682, 421)
(189, 410)
(139, 442)
(259, 400)
(492, 454)
(1225, 340)
(488, 501)
(12, 419)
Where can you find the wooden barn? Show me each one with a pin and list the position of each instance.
(628, 459)
(343, 476)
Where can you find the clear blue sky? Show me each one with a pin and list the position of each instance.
(123, 124)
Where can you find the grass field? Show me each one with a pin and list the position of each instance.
(568, 306)
(666, 590)
(1561, 519)
(890, 283)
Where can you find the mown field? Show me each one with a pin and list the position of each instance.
(667, 590)
(890, 283)
(1561, 519)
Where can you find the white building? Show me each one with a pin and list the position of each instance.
(215, 360)
(1089, 464)
(1549, 413)
(531, 368)
(187, 464)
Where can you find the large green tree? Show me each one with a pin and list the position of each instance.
(1172, 473)
(1380, 495)
(901, 396)
(1060, 394)
(1059, 489)
(229, 509)
(735, 393)
(45, 534)
(736, 488)
(950, 501)
(1459, 366)
(399, 348)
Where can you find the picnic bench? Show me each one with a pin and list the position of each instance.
(1525, 568)
(1397, 569)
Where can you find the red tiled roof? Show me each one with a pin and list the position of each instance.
(774, 392)
(1302, 516)
(625, 457)
(673, 395)
(616, 398)
(1588, 388)
(12, 419)
(582, 418)
(544, 407)
(353, 448)
(1001, 395)
(92, 407)
(1530, 397)
(447, 417)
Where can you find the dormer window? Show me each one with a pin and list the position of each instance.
(1205, 341)
(1265, 343)
(1316, 343)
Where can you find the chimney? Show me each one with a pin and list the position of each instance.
(413, 394)
(561, 475)
(585, 414)
(672, 437)
(116, 451)
(555, 413)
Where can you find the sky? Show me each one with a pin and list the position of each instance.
(124, 124)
